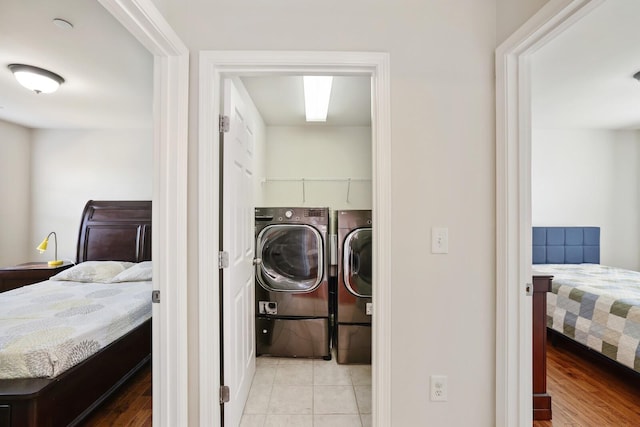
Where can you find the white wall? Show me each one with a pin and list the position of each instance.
(15, 152)
(512, 14)
(319, 154)
(590, 177)
(443, 167)
(70, 167)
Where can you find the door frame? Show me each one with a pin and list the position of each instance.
(215, 65)
(169, 216)
(513, 204)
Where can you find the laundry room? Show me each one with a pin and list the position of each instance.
(313, 163)
(312, 187)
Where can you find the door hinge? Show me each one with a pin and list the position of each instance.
(528, 288)
(223, 259)
(224, 394)
(224, 123)
(155, 296)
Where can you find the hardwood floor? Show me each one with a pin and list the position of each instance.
(585, 393)
(129, 407)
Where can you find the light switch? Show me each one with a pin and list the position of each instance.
(439, 240)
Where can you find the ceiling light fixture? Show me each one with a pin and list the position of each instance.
(637, 76)
(36, 79)
(317, 92)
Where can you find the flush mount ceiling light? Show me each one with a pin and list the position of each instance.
(317, 91)
(637, 76)
(36, 79)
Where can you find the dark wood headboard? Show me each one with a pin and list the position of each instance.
(115, 231)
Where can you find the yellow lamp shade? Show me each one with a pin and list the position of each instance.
(43, 247)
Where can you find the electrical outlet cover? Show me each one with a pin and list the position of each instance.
(438, 388)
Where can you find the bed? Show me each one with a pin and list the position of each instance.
(593, 305)
(66, 394)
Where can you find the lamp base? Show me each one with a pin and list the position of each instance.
(55, 263)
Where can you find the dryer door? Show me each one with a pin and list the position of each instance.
(358, 254)
(292, 258)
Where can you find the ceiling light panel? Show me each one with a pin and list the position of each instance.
(317, 93)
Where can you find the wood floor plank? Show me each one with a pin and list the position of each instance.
(586, 393)
(129, 407)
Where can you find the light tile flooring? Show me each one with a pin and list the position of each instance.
(289, 392)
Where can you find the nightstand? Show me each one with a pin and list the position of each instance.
(28, 273)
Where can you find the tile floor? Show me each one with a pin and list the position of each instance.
(290, 392)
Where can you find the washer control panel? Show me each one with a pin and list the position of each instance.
(267, 307)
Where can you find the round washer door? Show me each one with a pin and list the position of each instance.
(358, 255)
(292, 258)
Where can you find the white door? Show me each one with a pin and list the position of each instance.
(238, 352)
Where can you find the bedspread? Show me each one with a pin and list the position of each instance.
(48, 327)
(598, 306)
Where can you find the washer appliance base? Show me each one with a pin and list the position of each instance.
(354, 344)
(293, 337)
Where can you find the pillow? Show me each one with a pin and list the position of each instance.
(93, 271)
(140, 272)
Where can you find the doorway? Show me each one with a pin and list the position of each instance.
(215, 66)
(170, 104)
(513, 205)
(313, 185)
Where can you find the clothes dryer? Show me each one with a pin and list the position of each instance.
(292, 289)
(354, 307)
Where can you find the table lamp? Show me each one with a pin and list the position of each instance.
(43, 247)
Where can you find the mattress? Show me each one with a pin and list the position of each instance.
(48, 327)
(598, 306)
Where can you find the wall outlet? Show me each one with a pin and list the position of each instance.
(438, 388)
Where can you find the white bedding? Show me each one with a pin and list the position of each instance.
(48, 327)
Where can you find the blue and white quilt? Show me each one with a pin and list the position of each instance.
(598, 306)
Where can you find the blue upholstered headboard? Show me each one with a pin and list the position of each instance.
(566, 245)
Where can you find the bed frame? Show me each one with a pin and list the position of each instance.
(109, 230)
(574, 245)
(554, 245)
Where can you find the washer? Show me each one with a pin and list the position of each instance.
(354, 307)
(292, 288)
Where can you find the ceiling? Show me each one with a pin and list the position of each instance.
(584, 77)
(108, 74)
(280, 100)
